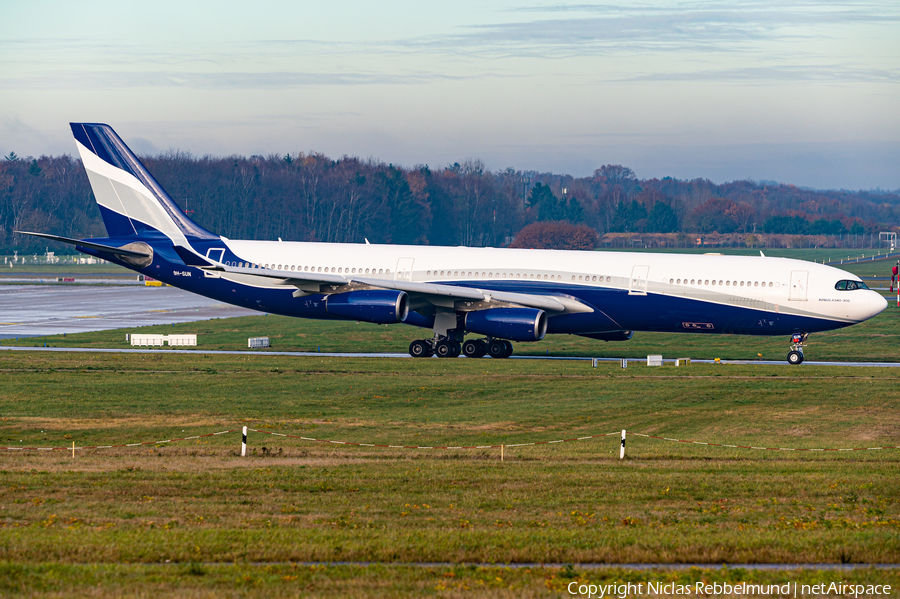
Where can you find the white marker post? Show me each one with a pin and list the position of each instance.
(244, 443)
(622, 450)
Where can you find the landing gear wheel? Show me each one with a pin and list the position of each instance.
(500, 349)
(446, 348)
(795, 356)
(420, 349)
(474, 348)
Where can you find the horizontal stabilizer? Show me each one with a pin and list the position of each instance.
(90, 245)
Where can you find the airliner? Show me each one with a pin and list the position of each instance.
(475, 301)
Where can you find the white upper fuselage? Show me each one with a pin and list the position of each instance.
(778, 285)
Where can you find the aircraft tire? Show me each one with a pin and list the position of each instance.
(445, 348)
(498, 349)
(509, 348)
(795, 357)
(474, 348)
(420, 349)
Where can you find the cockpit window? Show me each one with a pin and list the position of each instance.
(849, 285)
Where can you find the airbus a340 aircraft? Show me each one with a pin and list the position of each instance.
(499, 295)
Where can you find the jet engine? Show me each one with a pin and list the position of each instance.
(516, 324)
(381, 306)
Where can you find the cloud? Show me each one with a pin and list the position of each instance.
(785, 73)
(690, 26)
(212, 80)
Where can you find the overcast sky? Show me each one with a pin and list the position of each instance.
(799, 92)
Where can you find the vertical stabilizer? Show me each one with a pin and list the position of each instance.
(131, 201)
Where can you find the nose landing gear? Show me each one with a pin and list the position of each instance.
(795, 356)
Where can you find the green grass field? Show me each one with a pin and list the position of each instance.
(196, 519)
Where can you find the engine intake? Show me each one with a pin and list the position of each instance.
(516, 324)
(378, 306)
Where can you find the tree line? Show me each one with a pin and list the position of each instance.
(311, 197)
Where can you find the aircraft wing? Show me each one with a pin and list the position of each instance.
(549, 303)
(287, 277)
(434, 293)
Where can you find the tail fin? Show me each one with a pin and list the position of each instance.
(131, 202)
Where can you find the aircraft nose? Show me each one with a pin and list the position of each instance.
(877, 304)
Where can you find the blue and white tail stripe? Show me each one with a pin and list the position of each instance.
(132, 202)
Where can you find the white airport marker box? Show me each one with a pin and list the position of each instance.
(683, 362)
(654, 361)
(255, 342)
(145, 339)
(182, 340)
(159, 340)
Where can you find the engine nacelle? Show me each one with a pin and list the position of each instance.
(516, 324)
(376, 305)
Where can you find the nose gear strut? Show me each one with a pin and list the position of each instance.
(795, 356)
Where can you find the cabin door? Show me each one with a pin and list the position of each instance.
(404, 269)
(639, 276)
(216, 255)
(799, 279)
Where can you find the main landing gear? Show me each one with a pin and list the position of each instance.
(795, 356)
(471, 348)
